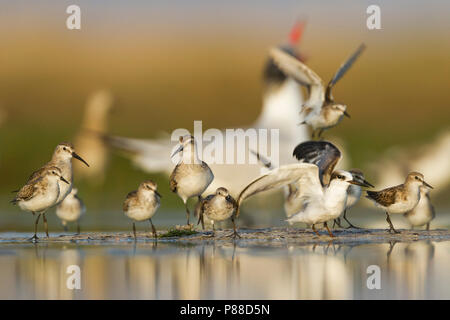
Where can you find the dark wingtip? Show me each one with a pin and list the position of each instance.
(307, 147)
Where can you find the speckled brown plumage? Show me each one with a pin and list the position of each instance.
(129, 200)
(388, 196)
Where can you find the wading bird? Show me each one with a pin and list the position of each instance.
(399, 199)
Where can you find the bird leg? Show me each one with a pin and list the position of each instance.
(328, 229)
(187, 213)
(314, 229)
(65, 228)
(134, 231)
(200, 219)
(45, 224)
(35, 237)
(337, 221)
(235, 233)
(428, 226)
(320, 134)
(78, 228)
(153, 229)
(391, 226)
(350, 225)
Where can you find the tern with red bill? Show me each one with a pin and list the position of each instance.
(320, 110)
(282, 96)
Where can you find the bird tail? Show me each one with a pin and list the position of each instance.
(371, 194)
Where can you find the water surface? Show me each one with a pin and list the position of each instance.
(416, 270)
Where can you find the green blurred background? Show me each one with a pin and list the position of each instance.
(170, 63)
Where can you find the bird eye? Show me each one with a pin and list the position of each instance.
(417, 178)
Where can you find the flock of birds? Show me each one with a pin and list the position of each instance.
(315, 191)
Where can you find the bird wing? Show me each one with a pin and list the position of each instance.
(342, 70)
(27, 192)
(384, 197)
(303, 75)
(151, 155)
(172, 180)
(37, 174)
(279, 177)
(128, 200)
(323, 154)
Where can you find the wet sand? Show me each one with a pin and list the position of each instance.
(271, 237)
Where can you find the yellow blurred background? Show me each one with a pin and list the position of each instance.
(168, 64)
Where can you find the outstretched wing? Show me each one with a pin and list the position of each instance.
(302, 74)
(323, 154)
(280, 177)
(342, 70)
(150, 155)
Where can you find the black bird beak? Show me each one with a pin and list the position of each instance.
(62, 179)
(157, 193)
(180, 148)
(427, 185)
(346, 114)
(368, 184)
(361, 184)
(76, 156)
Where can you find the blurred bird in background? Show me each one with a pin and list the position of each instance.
(282, 97)
(88, 140)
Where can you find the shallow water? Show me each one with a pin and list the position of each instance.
(417, 270)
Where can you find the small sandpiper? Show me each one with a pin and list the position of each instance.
(191, 176)
(423, 212)
(218, 207)
(401, 198)
(40, 194)
(62, 158)
(354, 194)
(321, 111)
(142, 204)
(71, 209)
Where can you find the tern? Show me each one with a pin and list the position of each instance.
(318, 204)
(326, 156)
(320, 110)
(282, 97)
